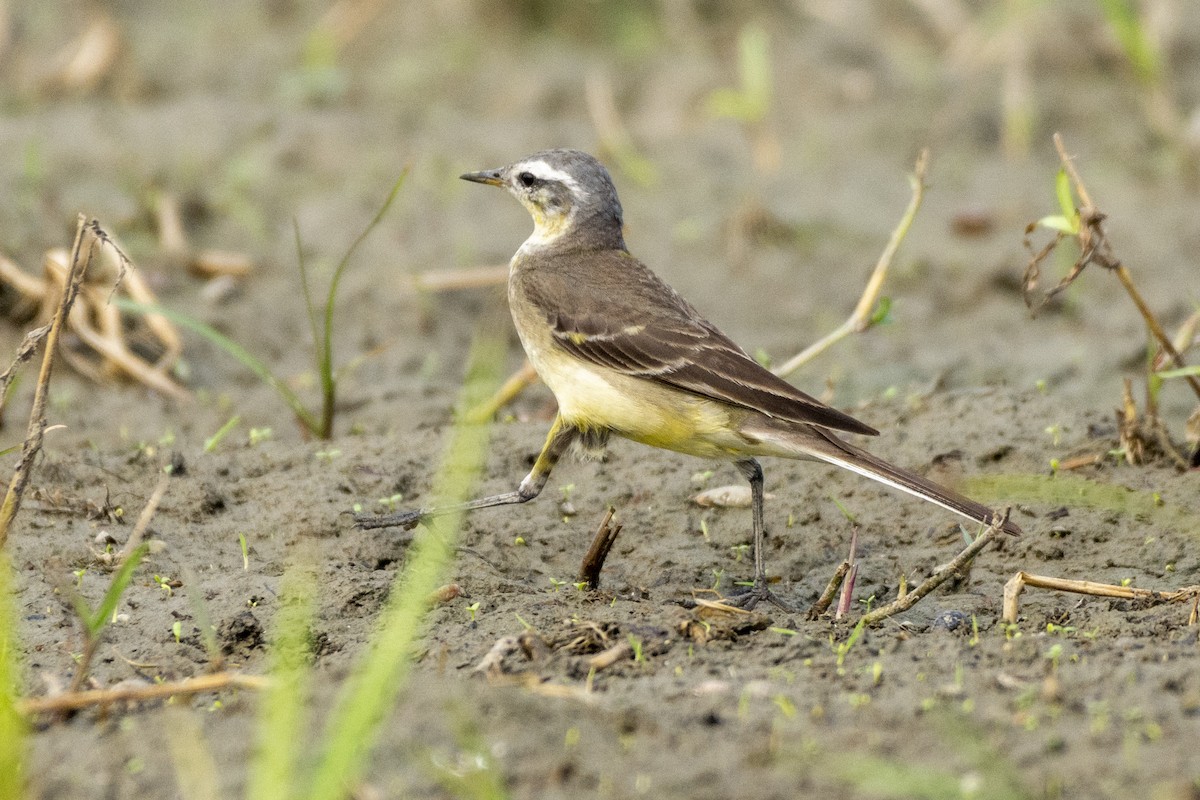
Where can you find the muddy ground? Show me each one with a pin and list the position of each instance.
(252, 127)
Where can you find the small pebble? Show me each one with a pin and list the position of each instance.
(950, 620)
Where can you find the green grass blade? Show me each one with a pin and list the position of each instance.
(1182, 372)
(325, 353)
(282, 709)
(12, 726)
(196, 773)
(239, 353)
(310, 308)
(1143, 55)
(120, 582)
(376, 680)
(1074, 491)
(1066, 200)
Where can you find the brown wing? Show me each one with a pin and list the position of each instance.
(607, 308)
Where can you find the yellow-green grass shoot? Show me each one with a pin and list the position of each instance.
(12, 726)
(277, 758)
(371, 690)
(321, 322)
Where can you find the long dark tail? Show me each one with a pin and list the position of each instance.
(826, 447)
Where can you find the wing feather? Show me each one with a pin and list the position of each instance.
(608, 309)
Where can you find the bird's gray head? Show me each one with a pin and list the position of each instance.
(568, 193)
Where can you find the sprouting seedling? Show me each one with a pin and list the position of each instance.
(635, 643)
(210, 444)
(472, 610)
(95, 620)
(739, 552)
(1067, 221)
(842, 649)
(245, 552)
(259, 435)
(557, 584)
(390, 503)
(751, 100)
(177, 630)
(321, 321)
(1144, 56)
(845, 511)
(164, 583)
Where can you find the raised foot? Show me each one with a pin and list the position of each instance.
(404, 519)
(750, 596)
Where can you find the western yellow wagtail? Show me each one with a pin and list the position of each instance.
(624, 354)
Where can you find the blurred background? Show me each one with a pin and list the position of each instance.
(762, 151)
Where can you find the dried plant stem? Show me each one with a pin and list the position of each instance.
(940, 576)
(861, 319)
(143, 521)
(831, 590)
(517, 382)
(73, 701)
(1017, 583)
(1095, 247)
(37, 416)
(593, 562)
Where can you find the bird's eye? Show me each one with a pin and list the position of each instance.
(527, 179)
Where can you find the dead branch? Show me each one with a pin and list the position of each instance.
(37, 415)
(593, 562)
(862, 317)
(1017, 583)
(1096, 248)
(940, 575)
(74, 701)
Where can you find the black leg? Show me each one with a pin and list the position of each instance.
(557, 441)
(759, 591)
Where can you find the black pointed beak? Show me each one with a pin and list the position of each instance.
(492, 177)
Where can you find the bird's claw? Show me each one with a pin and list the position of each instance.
(752, 595)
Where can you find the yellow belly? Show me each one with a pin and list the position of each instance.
(640, 409)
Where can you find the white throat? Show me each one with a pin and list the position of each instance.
(545, 232)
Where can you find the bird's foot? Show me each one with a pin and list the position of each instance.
(403, 519)
(750, 596)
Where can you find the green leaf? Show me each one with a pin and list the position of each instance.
(239, 353)
(1181, 372)
(882, 311)
(1056, 222)
(1139, 47)
(120, 583)
(1066, 200)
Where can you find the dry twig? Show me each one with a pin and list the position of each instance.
(1017, 583)
(74, 701)
(97, 323)
(37, 415)
(593, 562)
(940, 576)
(1095, 248)
(863, 315)
(831, 589)
(143, 520)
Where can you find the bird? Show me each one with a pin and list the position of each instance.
(625, 355)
